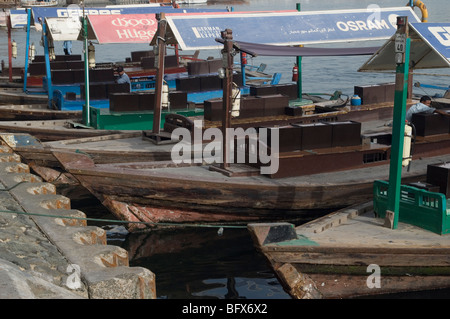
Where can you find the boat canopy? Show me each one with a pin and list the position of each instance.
(73, 12)
(430, 48)
(194, 32)
(18, 18)
(120, 25)
(77, 11)
(256, 49)
(128, 28)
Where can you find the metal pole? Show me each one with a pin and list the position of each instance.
(47, 65)
(27, 50)
(243, 69)
(8, 21)
(86, 106)
(299, 65)
(227, 36)
(161, 42)
(402, 48)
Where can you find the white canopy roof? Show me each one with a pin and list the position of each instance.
(430, 48)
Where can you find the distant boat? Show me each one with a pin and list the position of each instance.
(37, 3)
(191, 1)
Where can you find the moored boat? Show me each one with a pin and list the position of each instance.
(350, 253)
(37, 3)
(308, 180)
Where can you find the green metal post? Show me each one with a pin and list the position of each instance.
(299, 64)
(402, 44)
(27, 48)
(86, 106)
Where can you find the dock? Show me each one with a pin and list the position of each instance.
(350, 253)
(47, 249)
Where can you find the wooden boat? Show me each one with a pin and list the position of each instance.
(306, 181)
(34, 141)
(15, 95)
(30, 4)
(30, 112)
(349, 253)
(59, 129)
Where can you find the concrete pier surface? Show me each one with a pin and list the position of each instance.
(47, 250)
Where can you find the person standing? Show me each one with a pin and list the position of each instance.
(67, 46)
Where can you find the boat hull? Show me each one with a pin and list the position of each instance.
(158, 192)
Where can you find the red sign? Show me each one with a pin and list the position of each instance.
(129, 28)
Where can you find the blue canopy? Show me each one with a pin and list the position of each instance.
(287, 28)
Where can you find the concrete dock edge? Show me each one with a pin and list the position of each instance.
(94, 269)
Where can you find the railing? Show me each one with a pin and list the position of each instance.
(417, 207)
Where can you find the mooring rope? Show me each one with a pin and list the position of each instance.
(123, 221)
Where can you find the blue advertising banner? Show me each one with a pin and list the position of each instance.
(437, 35)
(288, 28)
(77, 11)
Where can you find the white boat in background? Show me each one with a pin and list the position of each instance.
(191, 1)
(37, 3)
(134, 5)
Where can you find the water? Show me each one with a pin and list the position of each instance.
(198, 263)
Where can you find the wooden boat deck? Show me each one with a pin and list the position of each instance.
(16, 95)
(349, 229)
(52, 130)
(336, 255)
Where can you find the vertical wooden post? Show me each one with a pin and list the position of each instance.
(227, 58)
(402, 48)
(161, 43)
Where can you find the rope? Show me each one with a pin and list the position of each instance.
(122, 221)
(12, 187)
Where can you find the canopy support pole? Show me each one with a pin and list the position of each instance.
(299, 65)
(47, 65)
(227, 35)
(299, 101)
(156, 136)
(402, 57)
(27, 50)
(8, 21)
(86, 105)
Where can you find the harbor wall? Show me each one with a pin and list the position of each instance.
(47, 250)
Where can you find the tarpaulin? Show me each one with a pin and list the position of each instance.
(256, 49)
(430, 48)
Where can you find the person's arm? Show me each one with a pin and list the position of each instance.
(442, 112)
